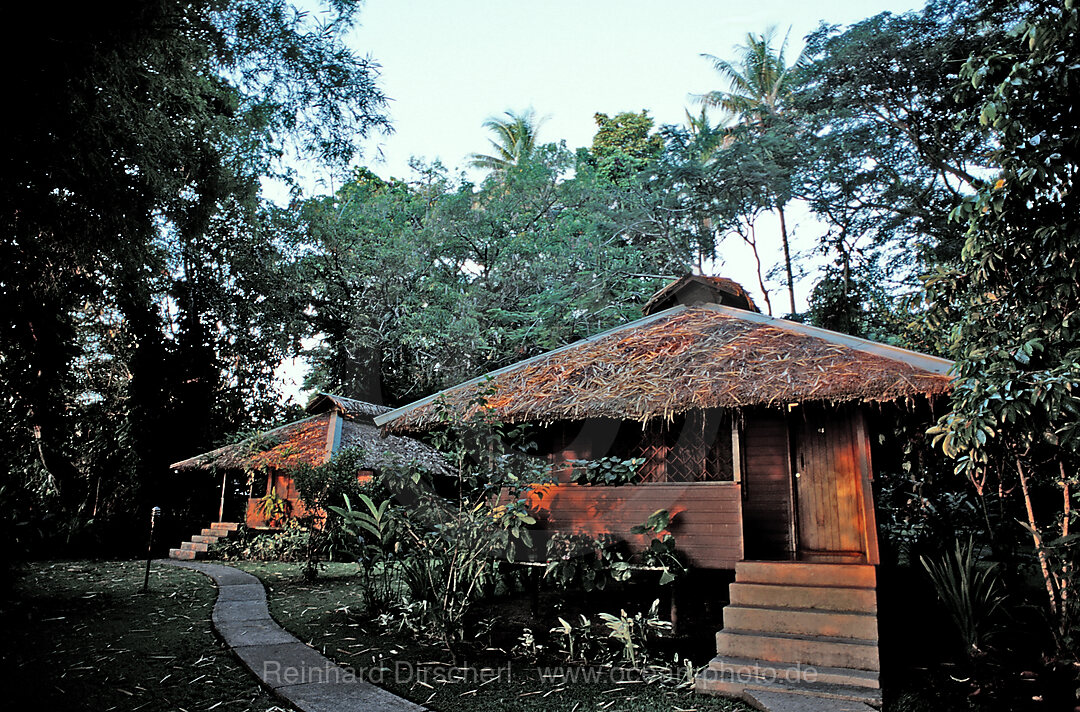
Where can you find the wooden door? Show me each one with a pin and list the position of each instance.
(828, 466)
(767, 493)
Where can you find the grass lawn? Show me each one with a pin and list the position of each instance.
(77, 635)
(325, 614)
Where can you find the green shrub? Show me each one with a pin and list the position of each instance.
(583, 561)
(618, 638)
(971, 593)
(288, 544)
(320, 488)
(607, 471)
(594, 562)
(370, 536)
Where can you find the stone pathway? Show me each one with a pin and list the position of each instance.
(787, 702)
(294, 671)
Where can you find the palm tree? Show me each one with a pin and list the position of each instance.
(759, 84)
(514, 140)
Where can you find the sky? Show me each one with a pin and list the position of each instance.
(448, 65)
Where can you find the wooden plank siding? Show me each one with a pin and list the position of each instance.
(707, 515)
(285, 488)
(766, 477)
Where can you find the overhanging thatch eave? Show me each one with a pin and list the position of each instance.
(226, 457)
(683, 359)
(304, 442)
(299, 441)
(384, 418)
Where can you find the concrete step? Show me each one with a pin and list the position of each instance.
(214, 531)
(182, 554)
(709, 681)
(204, 539)
(231, 526)
(746, 670)
(790, 648)
(194, 546)
(798, 573)
(825, 598)
(802, 621)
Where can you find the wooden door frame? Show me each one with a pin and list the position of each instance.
(793, 492)
(866, 489)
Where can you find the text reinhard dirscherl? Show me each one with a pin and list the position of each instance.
(399, 672)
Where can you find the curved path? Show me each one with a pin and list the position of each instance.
(294, 671)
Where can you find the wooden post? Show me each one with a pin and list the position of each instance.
(793, 474)
(154, 514)
(673, 606)
(736, 450)
(534, 590)
(221, 507)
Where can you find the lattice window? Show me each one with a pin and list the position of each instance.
(693, 448)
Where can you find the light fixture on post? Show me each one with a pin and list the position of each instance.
(154, 514)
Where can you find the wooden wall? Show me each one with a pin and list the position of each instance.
(707, 524)
(285, 488)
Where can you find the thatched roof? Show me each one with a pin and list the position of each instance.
(308, 442)
(694, 289)
(355, 409)
(381, 450)
(688, 358)
(303, 442)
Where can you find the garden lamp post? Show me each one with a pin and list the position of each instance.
(154, 514)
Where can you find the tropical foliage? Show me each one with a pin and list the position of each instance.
(149, 293)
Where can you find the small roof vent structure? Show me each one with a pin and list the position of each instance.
(694, 289)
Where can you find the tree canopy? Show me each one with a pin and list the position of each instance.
(514, 138)
(149, 293)
(136, 258)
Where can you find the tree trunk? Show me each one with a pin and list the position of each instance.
(787, 257)
(1049, 577)
(1066, 515)
(751, 240)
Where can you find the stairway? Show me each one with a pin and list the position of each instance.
(798, 628)
(200, 543)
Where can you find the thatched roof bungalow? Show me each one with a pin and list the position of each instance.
(754, 434)
(261, 464)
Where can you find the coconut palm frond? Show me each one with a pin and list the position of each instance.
(759, 81)
(515, 138)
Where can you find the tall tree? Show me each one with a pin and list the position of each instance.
(1009, 302)
(129, 191)
(623, 145)
(421, 284)
(885, 160)
(716, 187)
(760, 85)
